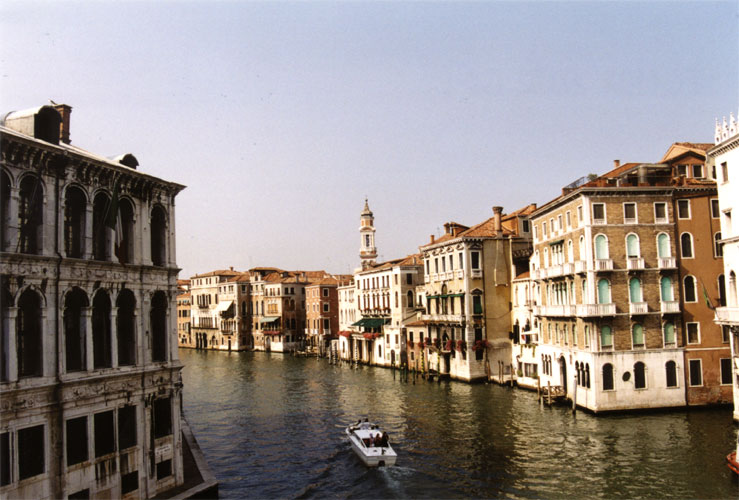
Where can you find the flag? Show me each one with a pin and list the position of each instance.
(709, 304)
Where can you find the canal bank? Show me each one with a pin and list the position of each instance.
(271, 426)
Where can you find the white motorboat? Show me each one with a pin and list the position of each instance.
(369, 445)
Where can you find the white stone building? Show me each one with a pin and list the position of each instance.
(90, 384)
(724, 160)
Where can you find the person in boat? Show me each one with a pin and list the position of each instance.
(372, 440)
(384, 440)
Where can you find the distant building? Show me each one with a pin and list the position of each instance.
(214, 299)
(322, 313)
(90, 383)
(184, 335)
(724, 161)
(468, 274)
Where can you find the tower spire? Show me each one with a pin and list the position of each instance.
(367, 249)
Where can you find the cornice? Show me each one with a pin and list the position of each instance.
(724, 147)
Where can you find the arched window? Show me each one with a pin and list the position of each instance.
(732, 289)
(587, 375)
(243, 309)
(126, 326)
(606, 336)
(632, 246)
(663, 245)
(29, 335)
(668, 332)
(686, 246)
(581, 248)
(158, 236)
(608, 377)
(578, 378)
(100, 238)
(101, 342)
(601, 247)
(690, 290)
(637, 335)
(410, 298)
(30, 215)
(158, 317)
(75, 211)
(570, 251)
(546, 257)
(640, 379)
(721, 290)
(604, 291)
(75, 332)
(124, 247)
(718, 247)
(396, 299)
(665, 288)
(671, 373)
(4, 211)
(635, 294)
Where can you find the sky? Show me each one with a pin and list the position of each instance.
(281, 117)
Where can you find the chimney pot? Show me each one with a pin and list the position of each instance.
(497, 211)
(65, 110)
(433, 238)
(616, 163)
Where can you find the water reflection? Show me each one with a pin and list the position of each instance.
(272, 426)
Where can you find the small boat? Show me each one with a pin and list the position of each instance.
(731, 459)
(363, 435)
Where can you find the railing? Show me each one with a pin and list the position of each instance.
(727, 314)
(635, 263)
(604, 264)
(460, 274)
(587, 310)
(669, 307)
(556, 310)
(581, 266)
(539, 274)
(448, 318)
(554, 271)
(667, 263)
(426, 278)
(638, 308)
(568, 268)
(476, 273)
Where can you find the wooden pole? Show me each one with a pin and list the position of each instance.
(538, 388)
(549, 393)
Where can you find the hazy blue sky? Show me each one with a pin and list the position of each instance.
(281, 117)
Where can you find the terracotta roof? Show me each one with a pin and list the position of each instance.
(681, 148)
(222, 272)
(410, 260)
(417, 323)
(485, 229)
(523, 275)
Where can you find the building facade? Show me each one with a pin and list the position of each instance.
(90, 384)
(723, 159)
(621, 269)
(468, 274)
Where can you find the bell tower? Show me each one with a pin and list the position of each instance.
(367, 250)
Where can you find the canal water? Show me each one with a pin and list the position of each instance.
(272, 426)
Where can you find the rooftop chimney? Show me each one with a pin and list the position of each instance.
(432, 239)
(497, 211)
(616, 163)
(64, 110)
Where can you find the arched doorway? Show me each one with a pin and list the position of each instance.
(563, 372)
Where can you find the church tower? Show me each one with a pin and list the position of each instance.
(367, 251)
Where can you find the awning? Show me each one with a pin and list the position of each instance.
(224, 306)
(269, 319)
(371, 322)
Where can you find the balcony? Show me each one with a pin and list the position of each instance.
(539, 274)
(476, 273)
(581, 266)
(460, 274)
(604, 264)
(669, 307)
(554, 271)
(635, 263)
(443, 318)
(426, 278)
(590, 310)
(555, 310)
(638, 308)
(667, 263)
(568, 268)
(727, 315)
